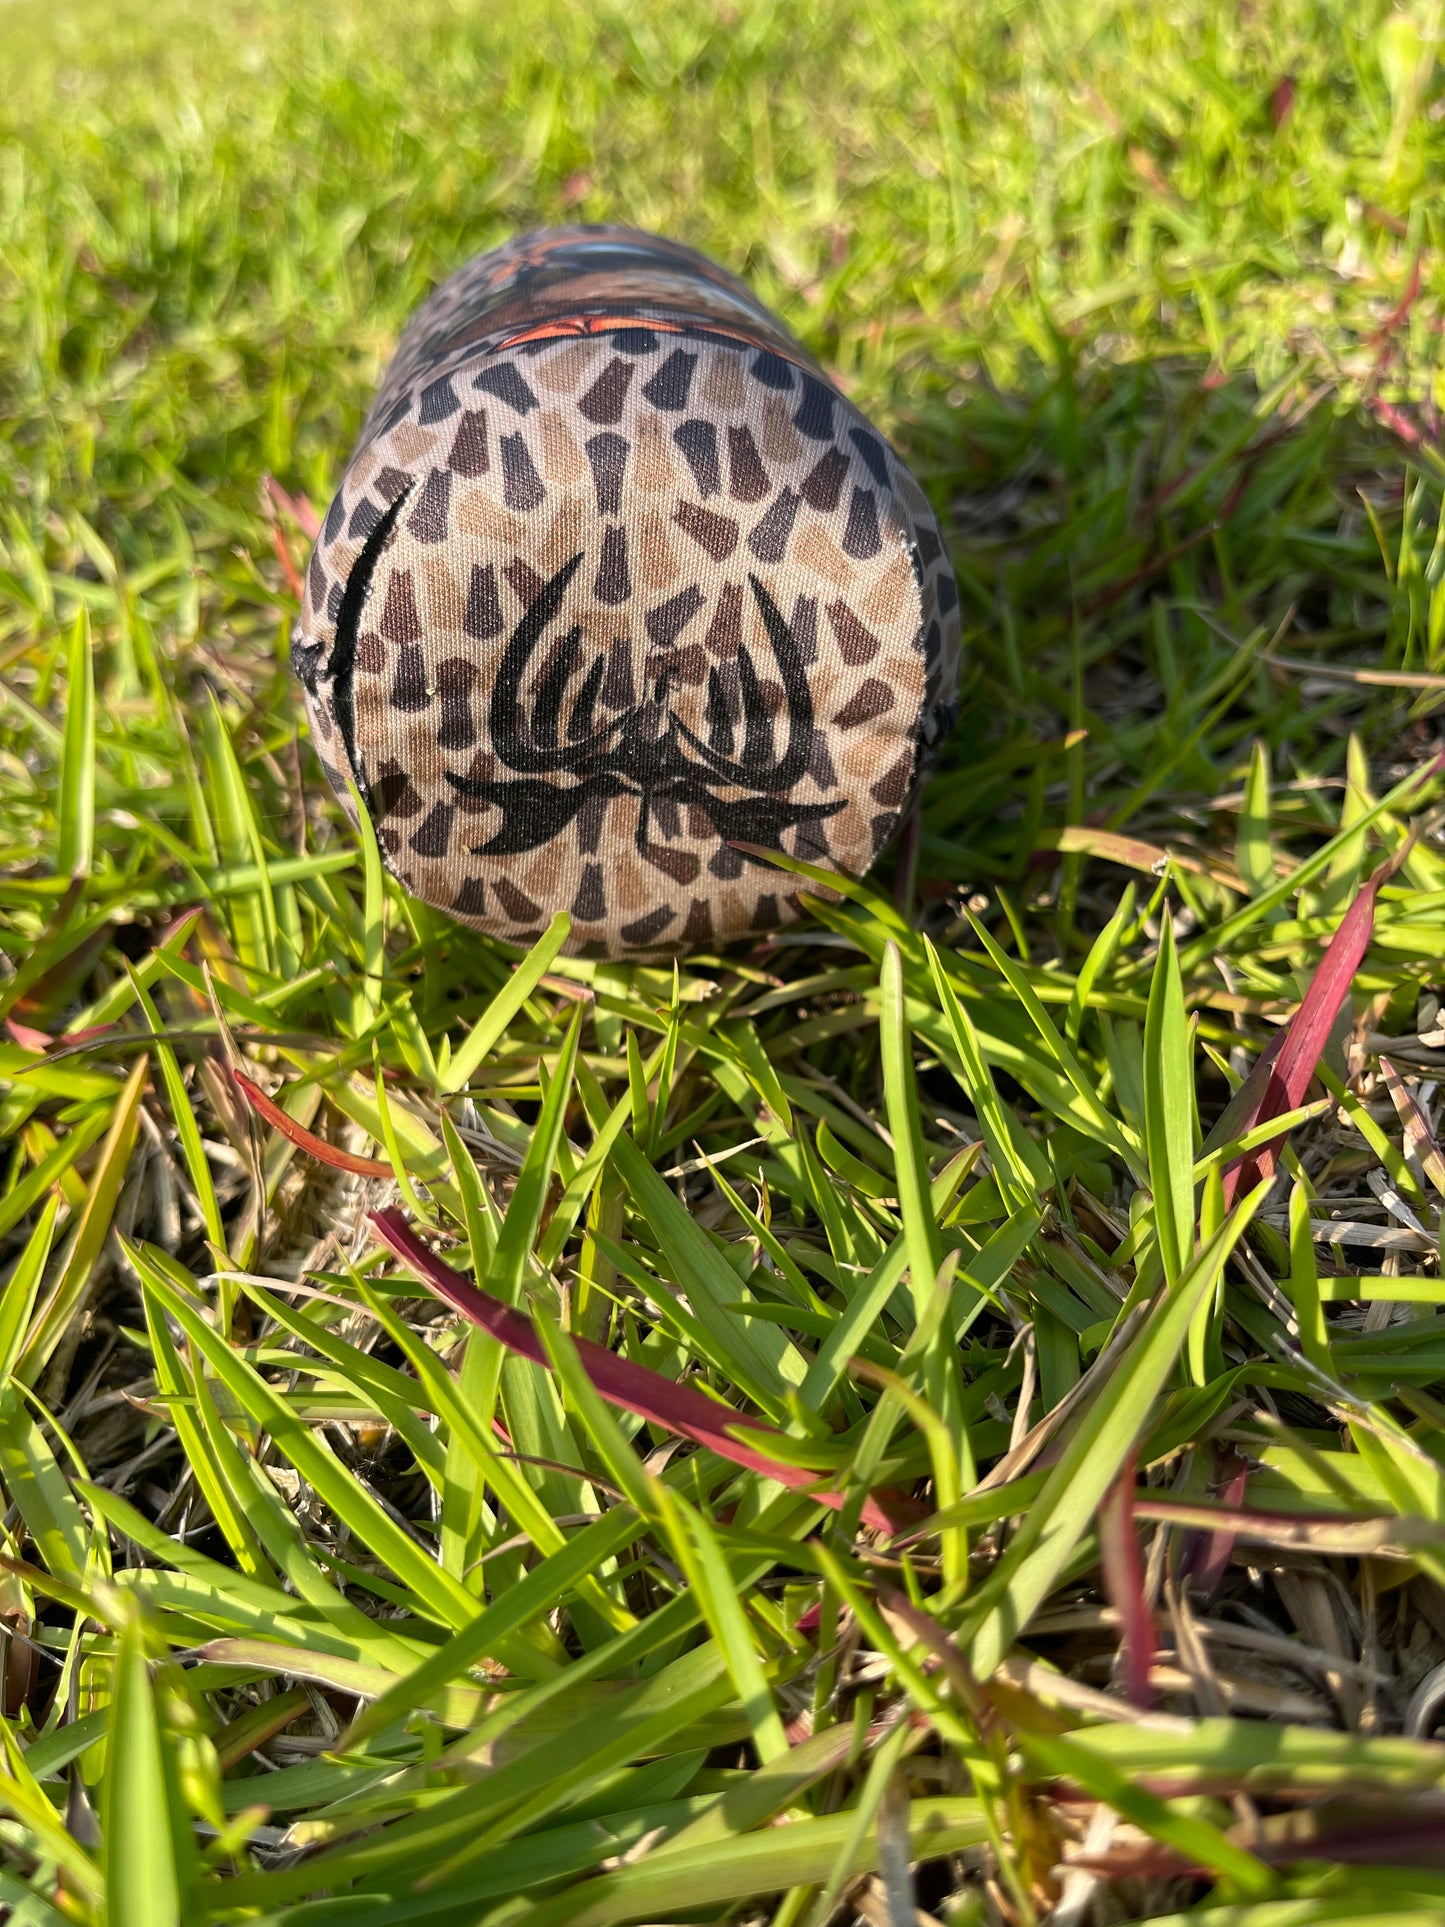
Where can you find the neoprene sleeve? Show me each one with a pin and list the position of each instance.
(616, 579)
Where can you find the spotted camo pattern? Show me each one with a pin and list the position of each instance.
(616, 580)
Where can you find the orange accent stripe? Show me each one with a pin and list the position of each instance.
(586, 324)
(583, 324)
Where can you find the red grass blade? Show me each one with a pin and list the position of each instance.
(1243, 1107)
(1305, 1036)
(27, 1036)
(313, 1146)
(298, 507)
(1124, 1583)
(31, 1039)
(621, 1382)
(1344, 1533)
(1207, 1555)
(288, 567)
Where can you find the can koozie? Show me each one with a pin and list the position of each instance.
(615, 582)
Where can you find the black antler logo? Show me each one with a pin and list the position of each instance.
(647, 752)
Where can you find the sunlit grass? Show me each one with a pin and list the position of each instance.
(1094, 1507)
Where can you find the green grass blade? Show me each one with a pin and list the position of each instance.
(1168, 1111)
(492, 1025)
(1253, 852)
(142, 1885)
(366, 1000)
(83, 1254)
(1061, 1514)
(695, 1546)
(759, 1360)
(184, 1117)
(925, 1252)
(1020, 1171)
(18, 1299)
(75, 804)
(489, 1634)
(25, 1799)
(39, 1490)
(1108, 1130)
(800, 1854)
(436, 1593)
(524, 1213)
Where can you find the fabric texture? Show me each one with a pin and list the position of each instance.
(615, 581)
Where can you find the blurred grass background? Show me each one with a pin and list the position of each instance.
(1151, 298)
(217, 219)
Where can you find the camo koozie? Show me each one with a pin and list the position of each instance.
(615, 581)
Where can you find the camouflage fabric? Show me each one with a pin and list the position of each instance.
(616, 580)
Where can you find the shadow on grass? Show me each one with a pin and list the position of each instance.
(1159, 565)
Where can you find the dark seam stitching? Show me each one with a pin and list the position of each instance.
(341, 668)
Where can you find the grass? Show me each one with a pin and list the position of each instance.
(1122, 1599)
